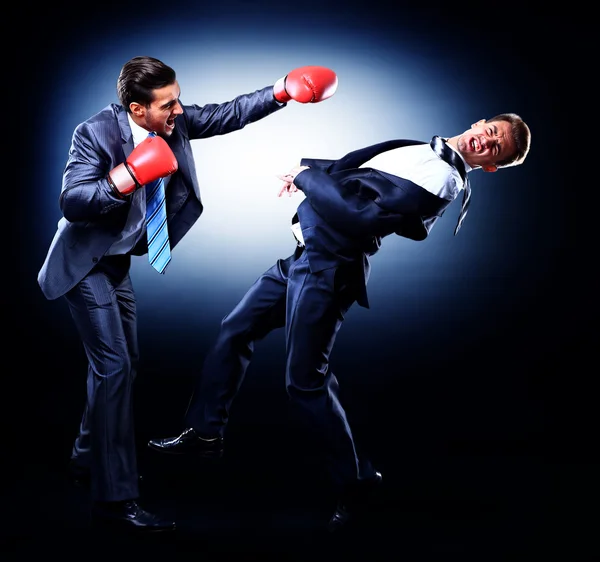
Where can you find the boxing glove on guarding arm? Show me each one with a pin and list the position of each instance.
(148, 161)
(307, 84)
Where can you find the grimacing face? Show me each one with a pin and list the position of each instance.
(485, 143)
(160, 115)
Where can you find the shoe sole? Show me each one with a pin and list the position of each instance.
(202, 454)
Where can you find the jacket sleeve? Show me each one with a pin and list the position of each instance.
(318, 163)
(219, 119)
(349, 211)
(86, 194)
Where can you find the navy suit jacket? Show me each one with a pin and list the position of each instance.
(348, 210)
(94, 217)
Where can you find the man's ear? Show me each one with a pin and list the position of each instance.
(480, 122)
(491, 168)
(137, 109)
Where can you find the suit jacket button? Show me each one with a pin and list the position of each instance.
(95, 260)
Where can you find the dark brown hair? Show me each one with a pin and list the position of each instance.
(520, 134)
(138, 79)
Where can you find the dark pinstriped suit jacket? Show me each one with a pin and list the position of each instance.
(93, 216)
(348, 210)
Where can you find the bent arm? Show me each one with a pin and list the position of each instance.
(343, 208)
(219, 119)
(86, 194)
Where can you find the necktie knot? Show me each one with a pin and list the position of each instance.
(449, 155)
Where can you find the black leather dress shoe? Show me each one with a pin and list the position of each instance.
(189, 442)
(354, 500)
(79, 476)
(128, 516)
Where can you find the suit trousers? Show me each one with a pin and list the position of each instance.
(311, 308)
(103, 308)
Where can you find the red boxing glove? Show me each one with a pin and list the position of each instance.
(149, 160)
(308, 84)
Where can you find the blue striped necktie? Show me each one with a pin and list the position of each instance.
(159, 249)
(447, 154)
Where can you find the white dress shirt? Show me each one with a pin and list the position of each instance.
(421, 165)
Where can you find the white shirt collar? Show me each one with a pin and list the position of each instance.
(139, 133)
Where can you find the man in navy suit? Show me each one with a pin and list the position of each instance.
(103, 203)
(396, 187)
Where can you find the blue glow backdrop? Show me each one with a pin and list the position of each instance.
(470, 378)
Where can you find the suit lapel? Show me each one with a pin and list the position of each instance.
(126, 134)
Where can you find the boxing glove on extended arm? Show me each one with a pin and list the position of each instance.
(149, 160)
(308, 84)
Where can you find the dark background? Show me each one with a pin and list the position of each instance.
(478, 411)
